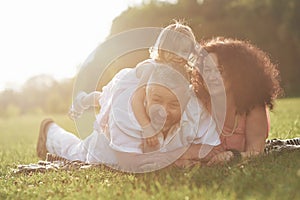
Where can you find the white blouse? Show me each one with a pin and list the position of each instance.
(117, 121)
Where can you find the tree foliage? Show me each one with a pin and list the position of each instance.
(272, 25)
(39, 94)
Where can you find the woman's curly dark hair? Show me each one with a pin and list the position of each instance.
(253, 78)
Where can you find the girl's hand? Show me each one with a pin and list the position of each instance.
(152, 141)
(150, 144)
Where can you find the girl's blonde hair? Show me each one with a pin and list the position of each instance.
(174, 44)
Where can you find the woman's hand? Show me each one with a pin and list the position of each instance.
(186, 163)
(189, 158)
(221, 158)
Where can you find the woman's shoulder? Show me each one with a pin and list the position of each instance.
(257, 111)
(259, 117)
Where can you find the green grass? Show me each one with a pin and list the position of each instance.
(265, 177)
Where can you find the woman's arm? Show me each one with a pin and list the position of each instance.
(191, 156)
(257, 127)
(206, 142)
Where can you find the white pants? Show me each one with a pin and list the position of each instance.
(93, 149)
(96, 149)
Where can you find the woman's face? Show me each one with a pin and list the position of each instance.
(212, 75)
(161, 100)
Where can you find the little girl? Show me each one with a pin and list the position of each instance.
(173, 47)
(176, 116)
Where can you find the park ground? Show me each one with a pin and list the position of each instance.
(275, 176)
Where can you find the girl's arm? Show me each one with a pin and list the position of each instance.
(143, 72)
(91, 99)
(82, 102)
(142, 117)
(138, 106)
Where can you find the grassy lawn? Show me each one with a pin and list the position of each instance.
(265, 177)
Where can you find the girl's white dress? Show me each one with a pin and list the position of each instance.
(116, 140)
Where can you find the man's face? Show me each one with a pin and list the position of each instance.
(170, 107)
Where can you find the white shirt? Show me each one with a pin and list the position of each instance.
(124, 132)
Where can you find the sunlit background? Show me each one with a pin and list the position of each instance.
(43, 43)
(51, 36)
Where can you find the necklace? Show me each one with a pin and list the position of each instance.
(233, 129)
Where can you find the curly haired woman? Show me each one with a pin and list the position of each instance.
(251, 84)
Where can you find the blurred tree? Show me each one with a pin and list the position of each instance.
(7, 99)
(59, 97)
(272, 25)
(11, 111)
(36, 91)
(40, 94)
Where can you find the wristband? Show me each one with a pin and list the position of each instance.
(237, 156)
